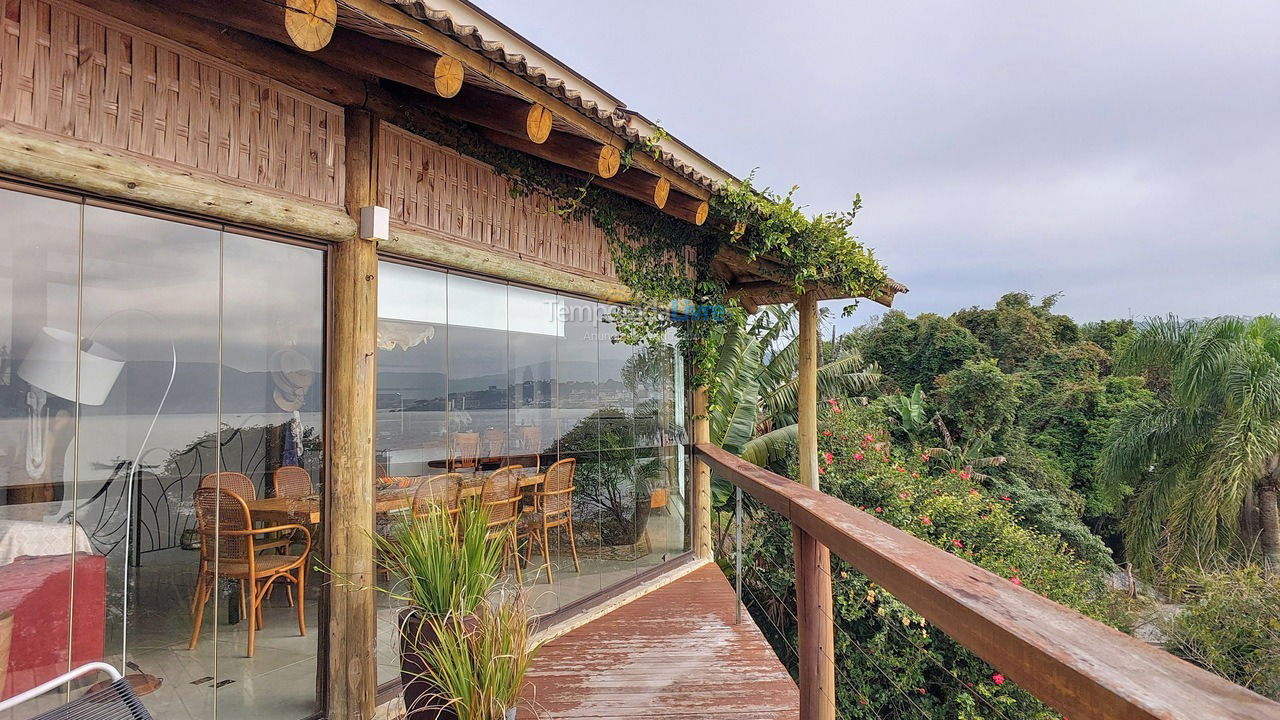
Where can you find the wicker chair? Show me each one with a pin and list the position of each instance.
(291, 481)
(441, 491)
(501, 498)
(228, 550)
(495, 442)
(467, 450)
(552, 508)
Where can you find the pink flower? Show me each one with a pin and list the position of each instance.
(828, 457)
(1015, 581)
(974, 492)
(924, 456)
(869, 438)
(921, 690)
(1006, 498)
(954, 471)
(964, 476)
(821, 470)
(857, 456)
(997, 679)
(924, 520)
(827, 433)
(915, 474)
(831, 402)
(879, 509)
(837, 409)
(957, 543)
(902, 496)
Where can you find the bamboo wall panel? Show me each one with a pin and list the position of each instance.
(434, 189)
(75, 73)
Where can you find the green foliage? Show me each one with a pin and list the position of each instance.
(1204, 447)
(886, 653)
(610, 480)
(914, 351)
(439, 570)
(479, 662)
(911, 412)
(1231, 626)
(978, 396)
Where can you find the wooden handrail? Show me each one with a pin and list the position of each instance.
(1080, 667)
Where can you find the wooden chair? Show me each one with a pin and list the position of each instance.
(466, 450)
(441, 491)
(531, 439)
(501, 497)
(553, 508)
(243, 487)
(291, 481)
(495, 442)
(228, 550)
(379, 471)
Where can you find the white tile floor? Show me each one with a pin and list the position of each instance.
(279, 682)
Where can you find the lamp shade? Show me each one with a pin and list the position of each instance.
(50, 365)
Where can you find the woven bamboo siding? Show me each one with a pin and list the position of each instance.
(432, 188)
(76, 73)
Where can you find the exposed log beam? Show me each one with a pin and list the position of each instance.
(686, 208)
(768, 292)
(309, 23)
(503, 113)
(571, 151)
(416, 32)
(349, 51)
(640, 185)
(245, 49)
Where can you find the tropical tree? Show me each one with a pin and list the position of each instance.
(754, 407)
(1203, 458)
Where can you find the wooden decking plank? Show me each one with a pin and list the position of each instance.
(675, 652)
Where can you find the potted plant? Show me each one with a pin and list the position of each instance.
(445, 574)
(479, 665)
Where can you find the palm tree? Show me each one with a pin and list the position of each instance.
(1203, 460)
(754, 408)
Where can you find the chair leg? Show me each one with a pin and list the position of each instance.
(244, 611)
(202, 597)
(302, 619)
(546, 551)
(515, 556)
(573, 546)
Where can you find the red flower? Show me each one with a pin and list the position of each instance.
(827, 433)
(857, 456)
(997, 679)
(879, 509)
(957, 543)
(869, 438)
(954, 471)
(821, 470)
(915, 474)
(924, 520)
(974, 492)
(1006, 498)
(921, 690)
(828, 457)
(964, 476)
(1015, 581)
(902, 496)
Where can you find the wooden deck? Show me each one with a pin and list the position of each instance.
(675, 652)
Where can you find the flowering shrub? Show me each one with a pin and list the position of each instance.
(886, 653)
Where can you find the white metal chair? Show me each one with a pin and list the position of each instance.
(116, 701)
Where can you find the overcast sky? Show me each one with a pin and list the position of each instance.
(1126, 154)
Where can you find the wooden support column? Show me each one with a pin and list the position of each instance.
(813, 560)
(351, 671)
(701, 477)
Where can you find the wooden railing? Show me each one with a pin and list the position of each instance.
(1078, 666)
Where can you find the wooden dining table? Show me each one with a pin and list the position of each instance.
(306, 510)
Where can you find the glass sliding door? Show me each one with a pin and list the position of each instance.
(517, 376)
(142, 358)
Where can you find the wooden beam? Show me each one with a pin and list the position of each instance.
(38, 156)
(349, 51)
(244, 49)
(564, 149)
(502, 113)
(649, 189)
(351, 676)
(309, 23)
(814, 610)
(417, 32)
(432, 249)
(701, 476)
(687, 208)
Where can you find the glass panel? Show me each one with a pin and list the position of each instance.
(478, 402)
(412, 360)
(39, 264)
(536, 328)
(151, 295)
(271, 412)
(412, 402)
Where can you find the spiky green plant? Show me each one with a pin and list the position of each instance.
(439, 570)
(478, 664)
(1205, 455)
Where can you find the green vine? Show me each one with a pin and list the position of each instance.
(665, 260)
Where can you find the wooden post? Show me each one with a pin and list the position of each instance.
(351, 671)
(701, 477)
(813, 561)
